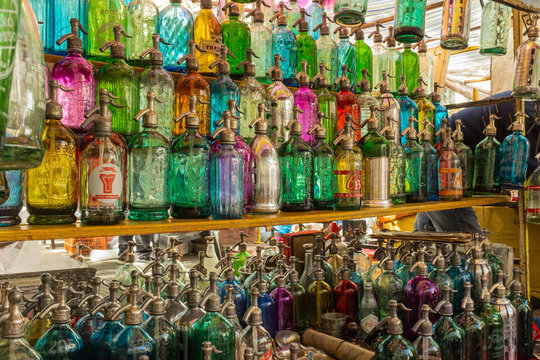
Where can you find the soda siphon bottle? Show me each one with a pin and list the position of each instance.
(51, 188)
(208, 37)
(346, 294)
(439, 276)
(284, 304)
(478, 267)
(237, 295)
(160, 329)
(494, 29)
(532, 191)
(319, 299)
(514, 155)
(149, 155)
(265, 302)
(449, 335)
(255, 336)
(388, 286)
(455, 27)
(409, 21)
(395, 346)
(475, 340)
(307, 47)
(87, 324)
(285, 45)
(236, 37)
(13, 345)
(426, 67)
(395, 62)
(364, 56)
(266, 186)
(175, 28)
(314, 11)
(229, 312)
(299, 300)
(407, 107)
(42, 12)
(193, 84)
(425, 346)
(327, 104)
(487, 160)
(222, 89)
(38, 326)
(102, 168)
(426, 110)
(524, 317)
(142, 21)
(509, 320)
(379, 55)
(368, 312)
(347, 55)
(450, 174)
(432, 162)
(296, 158)
(347, 103)
(411, 67)
(366, 100)
(347, 175)
(306, 100)
(415, 166)
(78, 74)
(459, 277)
(440, 114)
(388, 103)
(9, 210)
(404, 272)
(465, 155)
(60, 341)
(102, 16)
(526, 78)
(493, 320)
(261, 43)
(323, 155)
(327, 50)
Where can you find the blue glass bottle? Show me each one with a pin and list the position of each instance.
(458, 276)
(440, 112)
(285, 44)
(43, 11)
(238, 295)
(347, 55)
(267, 306)
(408, 108)
(91, 321)
(9, 211)
(432, 159)
(514, 155)
(314, 12)
(175, 28)
(223, 89)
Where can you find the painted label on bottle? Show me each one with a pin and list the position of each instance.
(451, 181)
(212, 46)
(105, 183)
(349, 183)
(377, 178)
(368, 323)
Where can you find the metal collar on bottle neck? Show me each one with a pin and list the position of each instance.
(53, 108)
(100, 116)
(378, 38)
(74, 42)
(118, 50)
(156, 56)
(150, 117)
(191, 61)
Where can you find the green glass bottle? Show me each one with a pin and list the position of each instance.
(466, 160)
(415, 166)
(494, 323)
(236, 37)
(102, 16)
(327, 50)
(411, 67)
(388, 286)
(121, 80)
(425, 345)
(410, 21)
(395, 62)
(299, 298)
(364, 56)
(476, 334)
(142, 23)
(160, 329)
(396, 156)
(323, 196)
(307, 47)
(395, 346)
(327, 104)
(524, 317)
(426, 110)
(448, 334)
(487, 161)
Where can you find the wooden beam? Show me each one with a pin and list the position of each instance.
(465, 90)
(482, 79)
(523, 5)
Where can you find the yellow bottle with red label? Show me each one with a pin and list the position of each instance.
(347, 175)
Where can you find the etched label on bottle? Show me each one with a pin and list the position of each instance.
(349, 183)
(105, 183)
(368, 323)
(9, 13)
(56, 176)
(451, 181)
(377, 178)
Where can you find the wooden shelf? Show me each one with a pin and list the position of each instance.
(130, 227)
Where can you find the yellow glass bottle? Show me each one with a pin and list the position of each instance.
(207, 36)
(51, 188)
(426, 110)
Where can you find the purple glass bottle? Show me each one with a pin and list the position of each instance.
(77, 74)
(419, 290)
(308, 102)
(284, 305)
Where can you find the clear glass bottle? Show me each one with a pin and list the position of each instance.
(450, 173)
(366, 100)
(426, 66)
(514, 155)
(51, 188)
(411, 68)
(407, 107)
(307, 102)
(285, 45)
(350, 12)
(395, 346)
(102, 16)
(475, 341)
(368, 314)
(379, 55)
(410, 21)
(307, 47)
(465, 155)
(142, 22)
(161, 330)
(236, 36)
(176, 29)
(388, 103)
(207, 35)
(487, 161)
(395, 62)
(527, 64)
(494, 28)
(532, 191)
(347, 175)
(261, 43)
(478, 267)
(396, 156)
(432, 162)
(327, 104)
(455, 26)
(425, 345)
(347, 103)
(314, 11)
(323, 154)
(255, 336)
(327, 50)
(364, 56)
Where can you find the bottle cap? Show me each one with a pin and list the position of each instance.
(150, 117)
(223, 66)
(302, 24)
(100, 115)
(156, 56)
(420, 91)
(61, 312)
(372, 122)
(257, 13)
(53, 108)
(229, 309)
(280, 14)
(517, 125)
(191, 117)
(395, 326)
(458, 134)
(118, 50)
(253, 315)
(390, 40)
(467, 304)
(388, 130)
(422, 46)
(378, 36)
(343, 32)
(324, 29)
(435, 96)
(191, 61)
(444, 307)
(383, 86)
(275, 71)
(206, 4)
(425, 134)
(358, 33)
(242, 245)
(302, 76)
(532, 29)
(320, 80)
(491, 129)
(343, 80)
(248, 65)
(209, 349)
(403, 89)
(109, 307)
(74, 42)
(515, 285)
(420, 266)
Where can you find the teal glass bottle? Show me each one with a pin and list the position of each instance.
(409, 21)
(285, 44)
(524, 317)
(307, 48)
(261, 44)
(432, 161)
(440, 114)
(323, 154)
(9, 211)
(62, 11)
(415, 166)
(514, 155)
(149, 154)
(236, 37)
(347, 55)
(176, 29)
(395, 62)
(142, 23)
(122, 81)
(438, 275)
(364, 56)
(466, 160)
(395, 346)
(487, 161)
(475, 341)
(314, 11)
(449, 335)
(327, 104)
(327, 50)
(459, 277)
(411, 67)
(103, 16)
(190, 169)
(407, 107)
(43, 12)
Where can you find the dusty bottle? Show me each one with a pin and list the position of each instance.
(327, 50)
(281, 101)
(323, 154)
(306, 100)
(526, 78)
(265, 302)
(509, 319)
(487, 160)
(425, 345)
(395, 345)
(327, 104)
(37, 326)
(366, 100)
(465, 155)
(425, 65)
(347, 175)
(440, 114)
(88, 324)
(299, 300)
(368, 313)
(314, 11)
(475, 340)
(284, 304)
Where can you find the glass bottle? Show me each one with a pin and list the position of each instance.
(307, 47)
(366, 100)
(395, 62)
(396, 157)
(426, 66)
(439, 276)
(350, 12)
(284, 304)
(404, 272)
(450, 173)
(78, 74)
(102, 16)
(379, 55)
(494, 29)
(306, 100)
(296, 158)
(9, 210)
(475, 341)
(388, 286)
(487, 161)
(255, 336)
(455, 26)
(327, 104)
(129, 272)
(222, 89)
(524, 317)
(38, 326)
(395, 346)
(190, 169)
(299, 300)
(323, 153)
(149, 154)
(465, 155)
(514, 155)
(158, 80)
(527, 62)
(327, 50)
(176, 29)
(347, 103)
(265, 302)
(411, 68)
(477, 267)
(306, 279)
(261, 43)
(161, 330)
(230, 290)
(425, 345)
(346, 294)
(415, 166)
(432, 161)
(532, 191)
(364, 57)
(347, 55)
(101, 169)
(285, 45)
(368, 312)
(314, 11)
(459, 277)
(509, 319)
(426, 110)
(440, 114)
(43, 11)
(208, 37)
(26, 71)
(388, 103)
(120, 79)
(51, 188)
(347, 175)
(142, 21)
(449, 335)
(266, 186)
(236, 36)
(318, 298)
(193, 84)
(493, 320)
(407, 107)
(88, 324)
(409, 21)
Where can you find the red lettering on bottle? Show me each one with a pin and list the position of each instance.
(107, 181)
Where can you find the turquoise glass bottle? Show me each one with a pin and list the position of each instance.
(364, 56)
(149, 154)
(121, 80)
(284, 44)
(43, 12)
(9, 211)
(466, 160)
(411, 67)
(62, 13)
(327, 104)
(409, 21)
(449, 335)
(176, 29)
(323, 154)
(103, 16)
(432, 161)
(347, 55)
(307, 47)
(394, 345)
(327, 50)
(407, 107)
(514, 155)
(415, 168)
(261, 44)
(236, 37)
(440, 114)
(395, 62)
(314, 11)
(142, 23)
(487, 161)
(459, 277)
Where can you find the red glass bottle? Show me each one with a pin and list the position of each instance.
(347, 103)
(346, 294)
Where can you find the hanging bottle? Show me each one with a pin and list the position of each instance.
(208, 37)
(388, 103)
(296, 158)
(532, 191)
(395, 62)
(350, 12)
(409, 21)
(284, 44)
(101, 168)
(346, 294)
(415, 166)
(347, 175)
(478, 267)
(494, 28)
(426, 110)
(193, 84)
(487, 160)
(524, 317)
(261, 43)
(465, 155)
(425, 346)
(76, 73)
(459, 277)
(388, 286)
(102, 16)
(323, 153)
(347, 103)
(120, 79)
(379, 55)
(266, 186)
(514, 155)
(236, 36)
(327, 104)
(455, 25)
(318, 298)
(327, 50)
(395, 345)
(425, 65)
(450, 173)
(255, 336)
(347, 55)
(364, 57)
(306, 100)
(307, 47)
(314, 11)
(9, 210)
(509, 320)
(396, 157)
(526, 74)
(190, 169)
(142, 21)
(408, 107)
(175, 28)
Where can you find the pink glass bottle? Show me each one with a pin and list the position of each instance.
(284, 305)
(308, 102)
(75, 73)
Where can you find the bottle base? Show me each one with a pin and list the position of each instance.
(349, 17)
(415, 199)
(273, 210)
(145, 215)
(195, 212)
(378, 203)
(51, 219)
(512, 185)
(408, 34)
(102, 220)
(398, 200)
(453, 43)
(323, 205)
(9, 220)
(493, 51)
(292, 207)
(433, 198)
(226, 216)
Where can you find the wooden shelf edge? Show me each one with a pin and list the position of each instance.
(129, 227)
